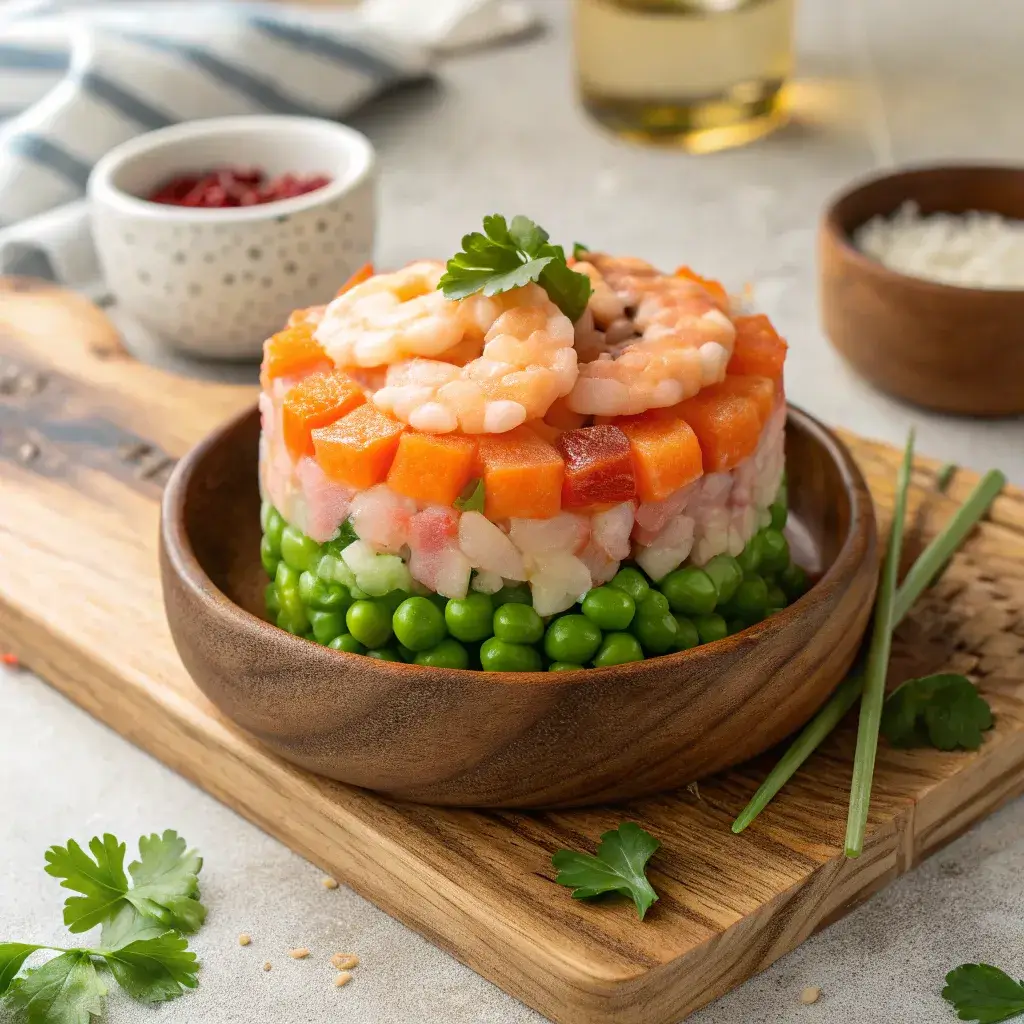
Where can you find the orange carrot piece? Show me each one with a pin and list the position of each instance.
(727, 426)
(760, 390)
(311, 314)
(358, 449)
(432, 467)
(758, 351)
(522, 475)
(316, 401)
(291, 351)
(665, 453)
(364, 273)
(598, 467)
(714, 288)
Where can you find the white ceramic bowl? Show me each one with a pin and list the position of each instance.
(215, 283)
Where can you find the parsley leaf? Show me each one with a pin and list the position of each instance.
(153, 970)
(65, 990)
(943, 711)
(474, 497)
(983, 993)
(579, 250)
(12, 956)
(128, 925)
(618, 867)
(507, 256)
(100, 879)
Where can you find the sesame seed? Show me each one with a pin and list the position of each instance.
(345, 961)
(244, 939)
(811, 994)
(330, 883)
(343, 978)
(266, 966)
(298, 954)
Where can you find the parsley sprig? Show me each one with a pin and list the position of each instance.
(943, 711)
(983, 993)
(141, 944)
(507, 256)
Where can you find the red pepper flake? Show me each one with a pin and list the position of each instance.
(234, 186)
(10, 659)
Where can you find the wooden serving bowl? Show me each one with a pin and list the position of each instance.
(958, 350)
(447, 736)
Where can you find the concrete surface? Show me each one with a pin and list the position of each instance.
(881, 83)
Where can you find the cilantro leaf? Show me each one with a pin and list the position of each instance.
(983, 993)
(153, 970)
(166, 882)
(510, 256)
(619, 866)
(943, 711)
(12, 956)
(65, 990)
(128, 925)
(474, 499)
(100, 879)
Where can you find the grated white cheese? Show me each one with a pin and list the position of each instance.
(973, 250)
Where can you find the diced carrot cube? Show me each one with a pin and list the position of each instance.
(598, 467)
(758, 351)
(432, 467)
(358, 449)
(727, 426)
(714, 288)
(364, 273)
(665, 453)
(760, 390)
(292, 351)
(316, 401)
(522, 475)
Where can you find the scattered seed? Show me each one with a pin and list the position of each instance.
(811, 994)
(342, 979)
(330, 883)
(694, 789)
(298, 954)
(244, 939)
(28, 452)
(345, 961)
(266, 966)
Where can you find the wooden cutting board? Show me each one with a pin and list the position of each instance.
(87, 438)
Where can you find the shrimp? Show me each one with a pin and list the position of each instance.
(676, 342)
(527, 361)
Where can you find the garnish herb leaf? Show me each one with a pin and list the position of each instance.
(65, 990)
(618, 867)
(943, 711)
(100, 879)
(579, 250)
(128, 925)
(12, 956)
(474, 499)
(153, 970)
(983, 993)
(508, 256)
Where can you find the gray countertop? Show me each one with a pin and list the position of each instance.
(880, 83)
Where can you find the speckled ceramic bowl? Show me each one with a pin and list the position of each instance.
(216, 282)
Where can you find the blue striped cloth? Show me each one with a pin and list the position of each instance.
(77, 80)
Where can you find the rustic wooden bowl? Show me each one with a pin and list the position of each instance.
(958, 350)
(447, 736)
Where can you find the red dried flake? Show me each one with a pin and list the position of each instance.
(10, 660)
(225, 187)
(598, 466)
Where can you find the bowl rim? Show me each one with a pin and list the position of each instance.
(101, 187)
(877, 270)
(181, 559)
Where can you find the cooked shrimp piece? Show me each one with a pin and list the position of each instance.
(676, 342)
(527, 362)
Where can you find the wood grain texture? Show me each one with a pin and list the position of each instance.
(80, 604)
(942, 347)
(509, 739)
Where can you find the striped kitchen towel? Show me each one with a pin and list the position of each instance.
(77, 79)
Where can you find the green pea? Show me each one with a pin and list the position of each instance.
(518, 624)
(273, 530)
(652, 603)
(293, 621)
(369, 622)
(500, 656)
(270, 601)
(348, 643)
(470, 618)
(572, 638)
(419, 624)
(383, 654)
(726, 574)
(776, 597)
(631, 581)
(749, 558)
(618, 649)
(750, 600)
(269, 558)
(327, 625)
(293, 612)
(516, 593)
(298, 550)
(711, 628)
(609, 608)
(393, 598)
(687, 635)
(774, 551)
(793, 581)
(405, 654)
(325, 597)
(563, 666)
(447, 654)
(780, 515)
(690, 591)
(439, 600)
(657, 631)
(265, 509)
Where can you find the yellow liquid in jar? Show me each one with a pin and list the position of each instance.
(703, 74)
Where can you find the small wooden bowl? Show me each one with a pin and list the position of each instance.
(446, 736)
(958, 350)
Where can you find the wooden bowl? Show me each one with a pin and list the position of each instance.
(958, 350)
(447, 736)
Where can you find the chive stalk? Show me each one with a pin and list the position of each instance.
(928, 565)
(944, 476)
